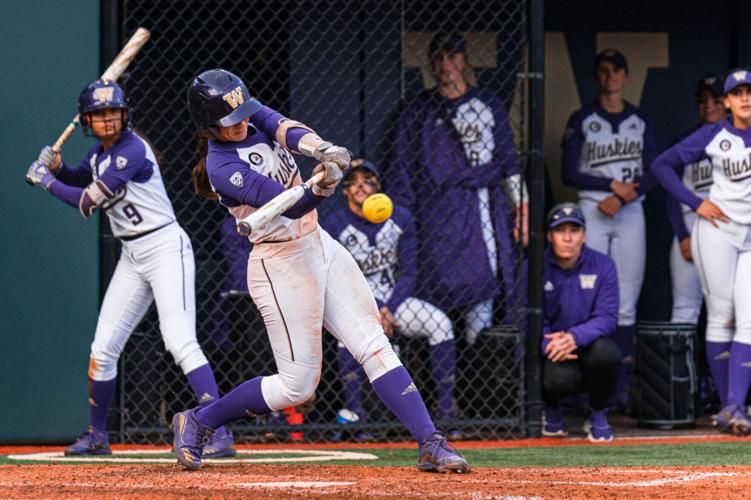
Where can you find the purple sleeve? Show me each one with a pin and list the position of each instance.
(665, 167)
(405, 160)
(268, 120)
(604, 317)
(79, 176)
(127, 163)
(572, 145)
(649, 152)
(68, 194)
(675, 216)
(405, 284)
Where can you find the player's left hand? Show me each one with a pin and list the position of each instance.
(39, 175)
(521, 224)
(685, 246)
(609, 205)
(327, 151)
(388, 322)
(331, 177)
(51, 158)
(561, 347)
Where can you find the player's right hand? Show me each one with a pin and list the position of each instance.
(711, 212)
(331, 177)
(609, 205)
(388, 322)
(626, 190)
(39, 175)
(327, 151)
(685, 246)
(51, 158)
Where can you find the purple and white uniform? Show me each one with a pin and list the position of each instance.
(687, 294)
(721, 254)
(599, 147)
(456, 170)
(387, 255)
(156, 263)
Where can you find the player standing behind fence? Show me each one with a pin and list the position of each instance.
(687, 294)
(721, 242)
(300, 278)
(387, 256)
(607, 147)
(121, 176)
(455, 169)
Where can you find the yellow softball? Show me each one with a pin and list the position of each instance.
(377, 208)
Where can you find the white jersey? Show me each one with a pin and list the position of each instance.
(697, 177)
(128, 186)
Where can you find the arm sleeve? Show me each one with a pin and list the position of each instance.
(604, 317)
(665, 167)
(79, 176)
(649, 153)
(573, 140)
(675, 216)
(407, 280)
(405, 159)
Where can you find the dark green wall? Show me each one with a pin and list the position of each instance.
(48, 252)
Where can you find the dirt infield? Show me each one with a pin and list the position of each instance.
(284, 481)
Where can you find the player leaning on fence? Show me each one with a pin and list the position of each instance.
(580, 315)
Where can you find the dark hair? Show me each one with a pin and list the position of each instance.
(200, 179)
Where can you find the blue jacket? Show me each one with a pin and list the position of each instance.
(583, 300)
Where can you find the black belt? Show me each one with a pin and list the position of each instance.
(141, 235)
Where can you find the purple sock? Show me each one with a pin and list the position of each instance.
(442, 363)
(718, 354)
(204, 384)
(100, 394)
(397, 390)
(739, 373)
(351, 375)
(243, 401)
(624, 337)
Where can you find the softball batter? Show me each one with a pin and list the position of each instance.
(120, 175)
(606, 148)
(721, 242)
(300, 278)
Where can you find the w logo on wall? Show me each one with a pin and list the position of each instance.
(104, 94)
(234, 98)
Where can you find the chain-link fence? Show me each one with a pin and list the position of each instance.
(374, 77)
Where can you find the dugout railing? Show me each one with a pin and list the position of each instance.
(347, 69)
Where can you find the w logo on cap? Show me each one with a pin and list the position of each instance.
(739, 75)
(234, 98)
(104, 94)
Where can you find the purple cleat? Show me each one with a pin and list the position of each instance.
(221, 444)
(436, 455)
(190, 438)
(721, 419)
(739, 423)
(553, 424)
(91, 442)
(597, 427)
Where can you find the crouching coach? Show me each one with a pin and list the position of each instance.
(580, 314)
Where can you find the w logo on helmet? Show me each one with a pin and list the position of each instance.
(234, 98)
(104, 94)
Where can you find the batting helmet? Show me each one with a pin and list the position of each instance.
(218, 98)
(101, 94)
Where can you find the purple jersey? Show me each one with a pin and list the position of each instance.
(451, 160)
(249, 173)
(583, 300)
(385, 252)
(729, 151)
(599, 147)
(124, 181)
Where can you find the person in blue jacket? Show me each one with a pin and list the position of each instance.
(580, 316)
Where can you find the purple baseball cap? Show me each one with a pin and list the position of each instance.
(710, 83)
(614, 56)
(737, 77)
(565, 212)
(449, 42)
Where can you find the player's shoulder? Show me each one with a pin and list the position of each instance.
(581, 114)
(130, 144)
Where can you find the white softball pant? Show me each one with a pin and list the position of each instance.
(301, 286)
(623, 238)
(687, 294)
(723, 258)
(418, 318)
(158, 266)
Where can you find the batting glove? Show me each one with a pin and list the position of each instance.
(326, 151)
(49, 157)
(39, 175)
(332, 176)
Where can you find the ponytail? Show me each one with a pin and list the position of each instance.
(200, 178)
